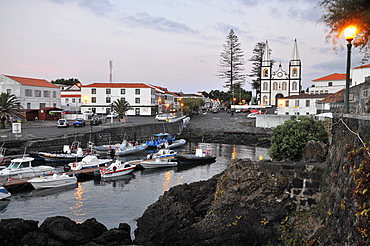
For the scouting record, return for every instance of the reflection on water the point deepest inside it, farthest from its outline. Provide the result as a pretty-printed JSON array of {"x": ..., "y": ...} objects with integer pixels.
[
  {"x": 125, "y": 198},
  {"x": 78, "y": 208}
]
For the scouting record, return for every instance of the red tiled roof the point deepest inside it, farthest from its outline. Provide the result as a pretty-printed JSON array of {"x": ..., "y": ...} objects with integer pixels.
[
  {"x": 335, "y": 97},
  {"x": 117, "y": 85},
  {"x": 334, "y": 76},
  {"x": 31, "y": 81},
  {"x": 364, "y": 66}
]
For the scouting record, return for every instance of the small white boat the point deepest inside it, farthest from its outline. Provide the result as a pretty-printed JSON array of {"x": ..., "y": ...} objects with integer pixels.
[
  {"x": 22, "y": 168},
  {"x": 159, "y": 163},
  {"x": 161, "y": 154},
  {"x": 4, "y": 193},
  {"x": 52, "y": 181},
  {"x": 174, "y": 143},
  {"x": 117, "y": 168},
  {"x": 67, "y": 155},
  {"x": 129, "y": 149},
  {"x": 89, "y": 161}
]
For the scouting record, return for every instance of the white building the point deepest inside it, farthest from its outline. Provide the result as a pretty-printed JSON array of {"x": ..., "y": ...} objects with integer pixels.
[
  {"x": 328, "y": 84},
  {"x": 145, "y": 99},
  {"x": 71, "y": 98},
  {"x": 301, "y": 104},
  {"x": 279, "y": 83},
  {"x": 31, "y": 93}
]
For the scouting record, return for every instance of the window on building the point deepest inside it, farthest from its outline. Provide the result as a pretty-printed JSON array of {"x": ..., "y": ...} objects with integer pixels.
[
  {"x": 275, "y": 86},
  {"x": 54, "y": 105},
  {"x": 67, "y": 100},
  {"x": 330, "y": 84},
  {"x": 46, "y": 93},
  {"x": 107, "y": 99},
  {"x": 42, "y": 105},
  {"x": 37, "y": 93},
  {"x": 284, "y": 86},
  {"x": 326, "y": 92},
  {"x": 321, "y": 92},
  {"x": 93, "y": 90},
  {"x": 137, "y": 111},
  {"x": 307, "y": 103},
  {"x": 265, "y": 100},
  {"x": 28, "y": 93},
  {"x": 287, "y": 103},
  {"x": 93, "y": 99},
  {"x": 9, "y": 91},
  {"x": 294, "y": 86},
  {"x": 265, "y": 86},
  {"x": 137, "y": 100},
  {"x": 265, "y": 72},
  {"x": 73, "y": 100},
  {"x": 28, "y": 105},
  {"x": 137, "y": 91},
  {"x": 123, "y": 91},
  {"x": 108, "y": 91},
  {"x": 294, "y": 72},
  {"x": 54, "y": 94},
  {"x": 296, "y": 104},
  {"x": 365, "y": 93}
]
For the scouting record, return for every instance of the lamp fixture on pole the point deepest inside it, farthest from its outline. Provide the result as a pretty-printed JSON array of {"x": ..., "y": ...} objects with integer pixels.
[{"x": 349, "y": 35}]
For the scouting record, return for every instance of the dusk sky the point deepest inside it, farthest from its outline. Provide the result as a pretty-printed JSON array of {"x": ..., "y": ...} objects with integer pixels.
[{"x": 170, "y": 43}]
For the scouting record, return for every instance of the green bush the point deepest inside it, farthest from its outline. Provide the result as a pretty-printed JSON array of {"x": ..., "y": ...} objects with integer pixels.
[{"x": 289, "y": 139}]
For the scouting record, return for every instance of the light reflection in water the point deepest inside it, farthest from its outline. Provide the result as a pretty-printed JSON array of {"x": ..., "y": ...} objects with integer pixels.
[
  {"x": 233, "y": 152},
  {"x": 167, "y": 180},
  {"x": 78, "y": 208}
]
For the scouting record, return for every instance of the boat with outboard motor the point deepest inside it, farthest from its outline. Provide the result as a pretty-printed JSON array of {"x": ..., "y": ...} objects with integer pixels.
[
  {"x": 22, "y": 168},
  {"x": 200, "y": 157},
  {"x": 159, "y": 140},
  {"x": 4, "y": 193},
  {"x": 89, "y": 161},
  {"x": 52, "y": 181},
  {"x": 160, "y": 159},
  {"x": 117, "y": 168}
]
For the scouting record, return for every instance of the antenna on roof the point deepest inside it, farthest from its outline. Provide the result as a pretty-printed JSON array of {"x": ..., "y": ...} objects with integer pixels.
[{"x": 111, "y": 68}]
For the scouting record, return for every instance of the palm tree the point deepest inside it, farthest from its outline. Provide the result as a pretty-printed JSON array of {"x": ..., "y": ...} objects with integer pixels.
[
  {"x": 9, "y": 107},
  {"x": 121, "y": 106}
]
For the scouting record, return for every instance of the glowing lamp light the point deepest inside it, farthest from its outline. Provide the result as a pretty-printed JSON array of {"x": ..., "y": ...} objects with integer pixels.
[{"x": 350, "y": 32}]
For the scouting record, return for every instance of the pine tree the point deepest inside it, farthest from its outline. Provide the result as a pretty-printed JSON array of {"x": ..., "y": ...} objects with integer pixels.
[{"x": 231, "y": 63}]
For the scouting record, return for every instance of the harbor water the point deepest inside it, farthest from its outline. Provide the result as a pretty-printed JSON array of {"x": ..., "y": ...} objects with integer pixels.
[{"x": 124, "y": 199}]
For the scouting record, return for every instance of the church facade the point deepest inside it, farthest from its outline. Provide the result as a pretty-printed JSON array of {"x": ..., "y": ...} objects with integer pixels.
[{"x": 278, "y": 83}]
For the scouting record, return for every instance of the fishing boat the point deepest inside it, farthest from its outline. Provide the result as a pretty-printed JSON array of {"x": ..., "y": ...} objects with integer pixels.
[
  {"x": 159, "y": 140},
  {"x": 161, "y": 154},
  {"x": 89, "y": 161},
  {"x": 4, "y": 193},
  {"x": 200, "y": 157},
  {"x": 117, "y": 168},
  {"x": 52, "y": 181},
  {"x": 22, "y": 168},
  {"x": 159, "y": 163}
]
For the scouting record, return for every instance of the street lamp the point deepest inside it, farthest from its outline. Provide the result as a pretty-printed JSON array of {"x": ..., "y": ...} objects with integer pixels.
[
  {"x": 78, "y": 85},
  {"x": 349, "y": 35}
]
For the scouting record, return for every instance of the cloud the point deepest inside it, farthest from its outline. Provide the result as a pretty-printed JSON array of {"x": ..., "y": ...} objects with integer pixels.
[
  {"x": 143, "y": 19},
  {"x": 98, "y": 7}
]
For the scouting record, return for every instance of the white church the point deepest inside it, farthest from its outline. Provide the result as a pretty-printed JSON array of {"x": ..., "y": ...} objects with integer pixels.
[{"x": 279, "y": 83}]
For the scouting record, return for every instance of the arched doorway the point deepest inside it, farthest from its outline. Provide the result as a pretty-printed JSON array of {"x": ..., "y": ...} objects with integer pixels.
[{"x": 279, "y": 95}]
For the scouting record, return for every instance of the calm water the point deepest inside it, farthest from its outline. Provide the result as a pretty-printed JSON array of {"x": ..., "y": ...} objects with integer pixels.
[{"x": 123, "y": 200}]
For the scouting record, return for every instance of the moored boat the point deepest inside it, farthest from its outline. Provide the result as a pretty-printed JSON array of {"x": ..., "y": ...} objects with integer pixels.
[
  {"x": 52, "y": 181},
  {"x": 89, "y": 161},
  {"x": 162, "y": 153},
  {"x": 4, "y": 193},
  {"x": 174, "y": 143},
  {"x": 129, "y": 149},
  {"x": 159, "y": 163},
  {"x": 22, "y": 168},
  {"x": 200, "y": 157},
  {"x": 117, "y": 168},
  {"x": 160, "y": 140}
]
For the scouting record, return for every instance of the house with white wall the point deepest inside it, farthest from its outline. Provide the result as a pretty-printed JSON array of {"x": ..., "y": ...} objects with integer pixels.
[
  {"x": 304, "y": 104},
  {"x": 328, "y": 84},
  {"x": 71, "y": 98},
  {"x": 32, "y": 93}
]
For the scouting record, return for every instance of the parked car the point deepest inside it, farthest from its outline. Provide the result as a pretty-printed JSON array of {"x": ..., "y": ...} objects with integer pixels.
[
  {"x": 112, "y": 114},
  {"x": 62, "y": 123},
  {"x": 165, "y": 117},
  {"x": 79, "y": 122},
  {"x": 252, "y": 115},
  {"x": 88, "y": 113},
  {"x": 96, "y": 121}
]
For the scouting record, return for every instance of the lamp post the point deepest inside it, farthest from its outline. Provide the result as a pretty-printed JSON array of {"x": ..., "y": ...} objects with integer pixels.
[
  {"x": 77, "y": 86},
  {"x": 349, "y": 35}
]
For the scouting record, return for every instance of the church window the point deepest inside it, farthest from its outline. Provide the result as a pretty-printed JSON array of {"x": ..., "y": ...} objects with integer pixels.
[
  {"x": 275, "y": 86},
  {"x": 265, "y": 101},
  {"x": 294, "y": 72},
  {"x": 265, "y": 86},
  {"x": 330, "y": 84},
  {"x": 265, "y": 72},
  {"x": 284, "y": 85},
  {"x": 294, "y": 85}
]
